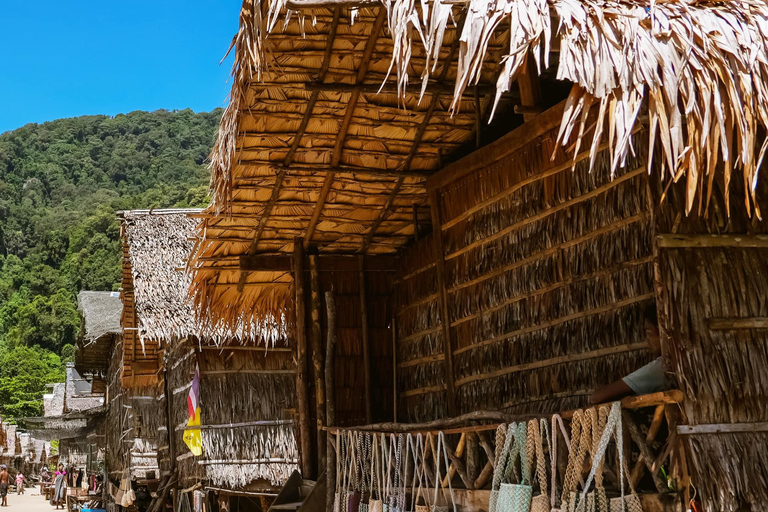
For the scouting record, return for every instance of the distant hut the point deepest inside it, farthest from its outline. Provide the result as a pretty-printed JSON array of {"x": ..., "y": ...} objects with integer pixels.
[
  {"x": 509, "y": 265},
  {"x": 71, "y": 413},
  {"x": 246, "y": 389}
]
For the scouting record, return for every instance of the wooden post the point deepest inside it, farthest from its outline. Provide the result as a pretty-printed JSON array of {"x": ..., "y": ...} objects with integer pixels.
[
  {"x": 330, "y": 472},
  {"x": 473, "y": 457},
  {"x": 330, "y": 347},
  {"x": 366, "y": 339},
  {"x": 530, "y": 90},
  {"x": 317, "y": 361},
  {"x": 394, "y": 366},
  {"x": 302, "y": 388},
  {"x": 445, "y": 319}
]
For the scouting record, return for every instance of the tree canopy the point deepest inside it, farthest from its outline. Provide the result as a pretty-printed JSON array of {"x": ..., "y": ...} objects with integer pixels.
[{"x": 61, "y": 183}]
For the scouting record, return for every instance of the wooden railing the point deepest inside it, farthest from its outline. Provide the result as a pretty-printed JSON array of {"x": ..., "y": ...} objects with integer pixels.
[{"x": 650, "y": 428}]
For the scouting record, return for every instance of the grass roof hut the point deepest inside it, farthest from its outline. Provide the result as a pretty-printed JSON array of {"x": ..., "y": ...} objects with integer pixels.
[
  {"x": 622, "y": 168},
  {"x": 246, "y": 390}
]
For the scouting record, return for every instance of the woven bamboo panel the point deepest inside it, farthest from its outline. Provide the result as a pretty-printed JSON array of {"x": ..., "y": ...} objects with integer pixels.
[{"x": 548, "y": 270}]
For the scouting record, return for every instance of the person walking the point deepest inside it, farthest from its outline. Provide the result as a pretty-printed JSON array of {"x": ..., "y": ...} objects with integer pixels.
[
  {"x": 59, "y": 488},
  {"x": 20, "y": 480},
  {"x": 5, "y": 481}
]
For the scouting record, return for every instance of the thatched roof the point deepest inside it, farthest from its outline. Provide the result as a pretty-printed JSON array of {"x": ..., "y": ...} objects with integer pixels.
[
  {"x": 308, "y": 148},
  {"x": 101, "y": 321},
  {"x": 159, "y": 244}
]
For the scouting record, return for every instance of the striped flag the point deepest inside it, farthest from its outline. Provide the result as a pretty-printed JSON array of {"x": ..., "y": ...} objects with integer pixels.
[{"x": 192, "y": 436}]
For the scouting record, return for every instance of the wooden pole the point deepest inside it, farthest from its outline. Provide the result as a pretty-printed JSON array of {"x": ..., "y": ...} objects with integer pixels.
[
  {"x": 366, "y": 339},
  {"x": 302, "y": 388},
  {"x": 317, "y": 360},
  {"x": 445, "y": 319},
  {"x": 330, "y": 347},
  {"x": 394, "y": 367}
]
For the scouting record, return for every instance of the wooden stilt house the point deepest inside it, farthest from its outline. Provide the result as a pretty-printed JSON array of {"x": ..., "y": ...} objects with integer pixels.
[
  {"x": 500, "y": 271},
  {"x": 246, "y": 387}
]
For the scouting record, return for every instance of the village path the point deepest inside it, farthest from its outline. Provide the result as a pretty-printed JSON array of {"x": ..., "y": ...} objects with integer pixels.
[{"x": 30, "y": 501}]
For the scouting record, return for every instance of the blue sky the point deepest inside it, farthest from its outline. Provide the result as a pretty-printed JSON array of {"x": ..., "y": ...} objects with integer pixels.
[{"x": 71, "y": 58}]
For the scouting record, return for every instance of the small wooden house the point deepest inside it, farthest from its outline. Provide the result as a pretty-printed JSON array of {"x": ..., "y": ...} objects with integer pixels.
[
  {"x": 246, "y": 390},
  {"x": 501, "y": 270}
]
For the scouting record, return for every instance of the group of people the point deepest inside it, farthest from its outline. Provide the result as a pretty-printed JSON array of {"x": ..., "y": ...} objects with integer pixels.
[{"x": 5, "y": 483}]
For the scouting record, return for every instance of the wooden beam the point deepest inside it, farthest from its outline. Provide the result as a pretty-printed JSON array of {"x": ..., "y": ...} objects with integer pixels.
[
  {"x": 330, "y": 348},
  {"x": 530, "y": 89},
  {"x": 365, "y": 339},
  {"x": 302, "y": 386},
  {"x": 280, "y": 177},
  {"x": 722, "y": 428},
  {"x": 445, "y": 319},
  {"x": 338, "y": 147},
  {"x": 317, "y": 360},
  {"x": 724, "y": 324},
  {"x": 645, "y": 452},
  {"x": 670, "y": 241},
  {"x": 546, "y": 363},
  {"x": 282, "y": 263},
  {"x": 339, "y": 169},
  {"x": 434, "y": 101},
  {"x": 500, "y": 149},
  {"x": 435, "y": 89}
]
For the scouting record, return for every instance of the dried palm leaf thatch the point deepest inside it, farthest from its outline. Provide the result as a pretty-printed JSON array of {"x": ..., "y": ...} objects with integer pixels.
[
  {"x": 721, "y": 370},
  {"x": 730, "y": 470},
  {"x": 159, "y": 245},
  {"x": 267, "y": 452},
  {"x": 701, "y": 64}
]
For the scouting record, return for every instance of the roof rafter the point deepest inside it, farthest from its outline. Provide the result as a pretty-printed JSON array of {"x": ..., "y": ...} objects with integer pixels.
[
  {"x": 338, "y": 148},
  {"x": 434, "y": 100}
]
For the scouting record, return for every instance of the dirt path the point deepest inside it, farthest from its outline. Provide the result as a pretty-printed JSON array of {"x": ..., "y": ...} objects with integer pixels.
[{"x": 30, "y": 501}]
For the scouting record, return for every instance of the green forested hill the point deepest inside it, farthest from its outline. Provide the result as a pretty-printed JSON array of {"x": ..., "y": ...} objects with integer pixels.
[{"x": 61, "y": 183}]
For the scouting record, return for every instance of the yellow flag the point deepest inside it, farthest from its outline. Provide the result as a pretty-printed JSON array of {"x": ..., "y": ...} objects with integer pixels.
[{"x": 192, "y": 436}]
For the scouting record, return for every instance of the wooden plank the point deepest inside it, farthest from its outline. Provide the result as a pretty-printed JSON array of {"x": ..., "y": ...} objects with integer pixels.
[
  {"x": 445, "y": 319},
  {"x": 722, "y": 428},
  {"x": 547, "y": 212},
  {"x": 723, "y": 324},
  {"x": 335, "y": 263},
  {"x": 302, "y": 385},
  {"x": 671, "y": 241},
  {"x": 500, "y": 149},
  {"x": 530, "y": 89},
  {"x": 391, "y": 88},
  {"x": 366, "y": 341},
  {"x": 423, "y": 391},
  {"x": 545, "y": 363},
  {"x": 552, "y": 250},
  {"x": 317, "y": 361},
  {"x": 558, "y": 321},
  {"x": 422, "y": 360}
]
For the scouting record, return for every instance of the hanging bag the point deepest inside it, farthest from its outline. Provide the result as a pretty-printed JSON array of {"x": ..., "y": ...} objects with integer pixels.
[
  {"x": 353, "y": 499},
  {"x": 537, "y": 431},
  {"x": 516, "y": 497},
  {"x": 438, "y": 481},
  {"x": 557, "y": 424},
  {"x": 503, "y": 445},
  {"x": 364, "y": 449},
  {"x": 339, "y": 477},
  {"x": 613, "y": 428},
  {"x": 581, "y": 443},
  {"x": 375, "y": 504}
]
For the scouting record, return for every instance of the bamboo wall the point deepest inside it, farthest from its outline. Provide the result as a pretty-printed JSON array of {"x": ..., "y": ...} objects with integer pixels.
[
  {"x": 546, "y": 273},
  {"x": 238, "y": 386},
  {"x": 716, "y": 317},
  {"x": 349, "y": 362},
  {"x": 141, "y": 363}
]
